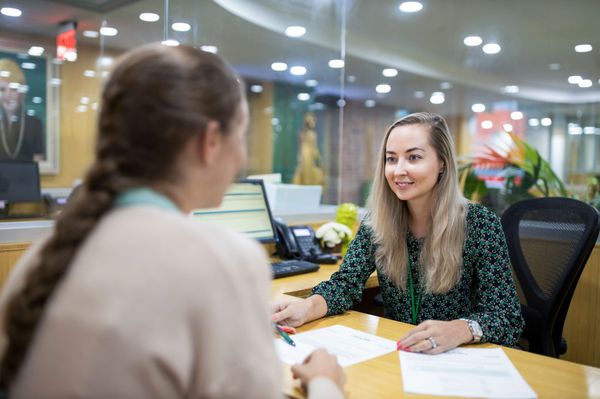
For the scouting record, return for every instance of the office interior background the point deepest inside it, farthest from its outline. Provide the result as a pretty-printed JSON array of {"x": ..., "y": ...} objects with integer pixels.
[{"x": 530, "y": 67}]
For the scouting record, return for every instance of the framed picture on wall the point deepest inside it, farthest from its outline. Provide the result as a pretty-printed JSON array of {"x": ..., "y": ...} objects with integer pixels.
[{"x": 28, "y": 109}]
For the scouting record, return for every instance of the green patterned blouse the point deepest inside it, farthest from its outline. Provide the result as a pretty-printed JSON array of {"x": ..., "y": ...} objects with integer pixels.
[{"x": 485, "y": 292}]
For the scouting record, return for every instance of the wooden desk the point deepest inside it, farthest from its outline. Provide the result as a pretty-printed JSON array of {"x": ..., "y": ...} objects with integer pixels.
[{"x": 380, "y": 377}]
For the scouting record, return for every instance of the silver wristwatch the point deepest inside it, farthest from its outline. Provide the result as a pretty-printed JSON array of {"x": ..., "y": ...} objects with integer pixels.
[{"x": 475, "y": 329}]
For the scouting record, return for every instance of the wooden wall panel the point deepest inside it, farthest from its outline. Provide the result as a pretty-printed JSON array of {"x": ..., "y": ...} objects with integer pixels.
[{"x": 9, "y": 255}]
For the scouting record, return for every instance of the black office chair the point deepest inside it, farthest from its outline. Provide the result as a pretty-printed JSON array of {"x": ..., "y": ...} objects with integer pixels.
[{"x": 549, "y": 242}]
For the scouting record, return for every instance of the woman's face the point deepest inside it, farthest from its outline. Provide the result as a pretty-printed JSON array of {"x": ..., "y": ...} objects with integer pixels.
[{"x": 412, "y": 165}]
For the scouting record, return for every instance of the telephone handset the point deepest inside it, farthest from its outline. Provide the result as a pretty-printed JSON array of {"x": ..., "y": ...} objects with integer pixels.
[{"x": 299, "y": 242}]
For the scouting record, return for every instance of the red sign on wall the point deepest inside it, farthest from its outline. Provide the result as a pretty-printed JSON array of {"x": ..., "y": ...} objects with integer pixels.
[{"x": 66, "y": 46}]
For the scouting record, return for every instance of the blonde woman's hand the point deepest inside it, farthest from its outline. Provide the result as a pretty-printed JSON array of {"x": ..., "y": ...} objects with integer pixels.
[
  {"x": 320, "y": 364},
  {"x": 297, "y": 313},
  {"x": 433, "y": 336}
]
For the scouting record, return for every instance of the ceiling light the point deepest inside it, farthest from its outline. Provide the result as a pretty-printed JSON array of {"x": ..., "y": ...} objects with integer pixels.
[
  {"x": 546, "y": 121},
  {"x": 383, "y": 88},
  {"x": 478, "y": 107},
  {"x": 341, "y": 103},
  {"x": 303, "y": 96},
  {"x": 437, "y": 97},
  {"x": 108, "y": 31},
  {"x": 37, "y": 100},
  {"x": 554, "y": 67},
  {"x": 589, "y": 130},
  {"x": 370, "y": 103},
  {"x": 410, "y": 6},
  {"x": 585, "y": 83},
  {"x": 516, "y": 115},
  {"x": 170, "y": 43},
  {"x": 209, "y": 49},
  {"x": 491, "y": 48},
  {"x": 55, "y": 82},
  {"x": 336, "y": 63},
  {"x": 575, "y": 129},
  {"x": 311, "y": 83},
  {"x": 295, "y": 31},
  {"x": 389, "y": 72},
  {"x": 298, "y": 70},
  {"x": 511, "y": 89},
  {"x": 256, "y": 89},
  {"x": 81, "y": 108},
  {"x": 28, "y": 65},
  {"x": 445, "y": 85},
  {"x": 90, "y": 33},
  {"x": 84, "y": 100},
  {"x": 88, "y": 73},
  {"x": 419, "y": 94},
  {"x": 472, "y": 41},
  {"x": 35, "y": 51},
  {"x": 11, "y": 12},
  {"x": 351, "y": 78},
  {"x": 507, "y": 127},
  {"x": 487, "y": 124},
  {"x": 574, "y": 79},
  {"x": 583, "y": 48},
  {"x": 533, "y": 122},
  {"x": 181, "y": 26},
  {"x": 149, "y": 17},
  {"x": 279, "y": 66},
  {"x": 105, "y": 61}
]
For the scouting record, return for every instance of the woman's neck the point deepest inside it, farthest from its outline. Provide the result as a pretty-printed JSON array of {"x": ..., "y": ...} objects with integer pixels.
[{"x": 419, "y": 219}]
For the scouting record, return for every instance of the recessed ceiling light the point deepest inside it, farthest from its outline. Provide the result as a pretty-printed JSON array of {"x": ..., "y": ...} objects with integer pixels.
[
  {"x": 419, "y": 94},
  {"x": 341, "y": 103},
  {"x": 507, "y": 127},
  {"x": 37, "y": 100},
  {"x": 90, "y": 33},
  {"x": 511, "y": 89},
  {"x": 149, "y": 17},
  {"x": 55, "y": 81},
  {"x": 108, "y": 31},
  {"x": 84, "y": 100},
  {"x": 410, "y": 6},
  {"x": 554, "y": 67},
  {"x": 181, "y": 26},
  {"x": 351, "y": 78},
  {"x": 585, "y": 83},
  {"x": 303, "y": 96},
  {"x": 105, "y": 61},
  {"x": 546, "y": 121},
  {"x": 256, "y": 89},
  {"x": 11, "y": 11},
  {"x": 336, "y": 63},
  {"x": 298, "y": 70},
  {"x": 533, "y": 122},
  {"x": 88, "y": 73},
  {"x": 516, "y": 115},
  {"x": 583, "y": 48},
  {"x": 575, "y": 129},
  {"x": 487, "y": 124},
  {"x": 472, "y": 41},
  {"x": 445, "y": 85},
  {"x": 589, "y": 130},
  {"x": 574, "y": 79},
  {"x": 295, "y": 31},
  {"x": 170, "y": 43},
  {"x": 383, "y": 88},
  {"x": 478, "y": 107},
  {"x": 35, "y": 51},
  {"x": 209, "y": 49},
  {"x": 437, "y": 97},
  {"x": 491, "y": 48},
  {"x": 311, "y": 83},
  {"x": 279, "y": 66},
  {"x": 370, "y": 103},
  {"x": 389, "y": 72},
  {"x": 27, "y": 65}
]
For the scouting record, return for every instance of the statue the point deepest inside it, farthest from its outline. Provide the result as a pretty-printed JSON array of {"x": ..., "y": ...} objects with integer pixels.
[{"x": 308, "y": 169}]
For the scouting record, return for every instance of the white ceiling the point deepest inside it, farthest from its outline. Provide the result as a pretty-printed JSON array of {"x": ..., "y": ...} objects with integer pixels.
[{"x": 427, "y": 46}]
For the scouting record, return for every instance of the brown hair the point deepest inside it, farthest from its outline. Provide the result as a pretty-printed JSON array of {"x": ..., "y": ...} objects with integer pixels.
[
  {"x": 441, "y": 256},
  {"x": 156, "y": 100}
]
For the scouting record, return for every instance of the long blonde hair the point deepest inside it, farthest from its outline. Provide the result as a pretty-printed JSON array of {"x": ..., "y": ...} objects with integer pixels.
[{"x": 441, "y": 254}]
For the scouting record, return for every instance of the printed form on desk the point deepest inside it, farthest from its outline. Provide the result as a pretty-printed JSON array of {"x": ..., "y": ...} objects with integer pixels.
[
  {"x": 468, "y": 372},
  {"x": 349, "y": 345}
]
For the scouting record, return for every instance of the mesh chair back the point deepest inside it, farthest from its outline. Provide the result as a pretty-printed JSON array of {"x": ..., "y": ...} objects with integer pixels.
[{"x": 549, "y": 242}]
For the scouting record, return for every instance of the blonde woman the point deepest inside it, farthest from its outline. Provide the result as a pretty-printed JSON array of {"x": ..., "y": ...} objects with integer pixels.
[{"x": 442, "y": 263}]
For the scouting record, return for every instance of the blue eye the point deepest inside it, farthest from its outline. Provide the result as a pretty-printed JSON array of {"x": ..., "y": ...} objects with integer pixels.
[{"x": 414, "y": 157}]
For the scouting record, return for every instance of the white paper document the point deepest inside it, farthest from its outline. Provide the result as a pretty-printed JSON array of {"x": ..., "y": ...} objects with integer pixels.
[
  {"x": 470, "y": 372},
  {"x": 349, "y": 345}
]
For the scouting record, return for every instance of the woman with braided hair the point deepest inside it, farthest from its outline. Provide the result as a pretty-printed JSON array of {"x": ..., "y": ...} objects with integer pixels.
[{"x": 129, "y": 298}]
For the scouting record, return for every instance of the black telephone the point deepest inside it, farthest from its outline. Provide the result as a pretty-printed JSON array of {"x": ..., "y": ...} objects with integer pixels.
[{"x": 299, "y": 242}]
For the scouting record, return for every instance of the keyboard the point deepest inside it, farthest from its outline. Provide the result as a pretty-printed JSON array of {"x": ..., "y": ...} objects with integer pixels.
[{"x": 291, "y": 267}]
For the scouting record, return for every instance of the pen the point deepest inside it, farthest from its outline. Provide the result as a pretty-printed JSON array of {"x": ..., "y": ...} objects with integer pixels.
[{"x": 284, "y": 335}]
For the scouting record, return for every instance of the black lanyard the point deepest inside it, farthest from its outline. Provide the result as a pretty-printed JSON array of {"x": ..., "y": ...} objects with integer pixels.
[{"x": 414, "y": 306}]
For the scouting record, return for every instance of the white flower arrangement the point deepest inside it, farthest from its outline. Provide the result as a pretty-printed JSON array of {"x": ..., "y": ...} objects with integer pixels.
[{"x": 333, "y": 233}]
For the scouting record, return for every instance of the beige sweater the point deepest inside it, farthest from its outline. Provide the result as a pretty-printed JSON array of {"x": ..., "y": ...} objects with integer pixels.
[{"x": 156, "y": 306}]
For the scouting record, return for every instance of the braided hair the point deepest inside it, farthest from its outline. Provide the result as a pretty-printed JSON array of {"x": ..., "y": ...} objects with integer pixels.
[{"x": 156, "y": 100}]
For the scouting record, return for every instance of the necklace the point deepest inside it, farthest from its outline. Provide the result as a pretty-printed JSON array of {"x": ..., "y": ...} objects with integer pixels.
[{"x": 15, "y": 153}]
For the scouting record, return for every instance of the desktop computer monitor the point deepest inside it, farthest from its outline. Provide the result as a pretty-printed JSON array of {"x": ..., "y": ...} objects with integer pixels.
[
  {"x": 19, "y": 181},
  {"x": 245, "y": 209}
]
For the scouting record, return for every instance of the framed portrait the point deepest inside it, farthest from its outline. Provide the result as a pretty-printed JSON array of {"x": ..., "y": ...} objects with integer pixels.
[{"x": 28, "y": 109}]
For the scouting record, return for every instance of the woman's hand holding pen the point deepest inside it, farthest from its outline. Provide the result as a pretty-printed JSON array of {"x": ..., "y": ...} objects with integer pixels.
[
  {"x": 433, "y": 336},
  {"x": 320, "y": 364}
]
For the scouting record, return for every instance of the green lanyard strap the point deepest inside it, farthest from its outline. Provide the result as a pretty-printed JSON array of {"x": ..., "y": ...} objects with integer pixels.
[{"x": 414, "y": 306}]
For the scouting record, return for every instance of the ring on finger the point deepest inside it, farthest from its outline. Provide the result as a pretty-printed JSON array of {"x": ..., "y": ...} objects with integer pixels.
[{"x": 433, "y": 342}]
